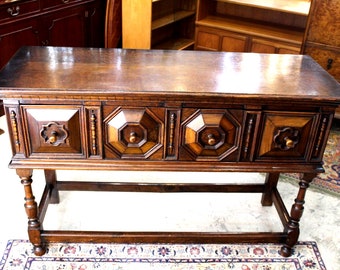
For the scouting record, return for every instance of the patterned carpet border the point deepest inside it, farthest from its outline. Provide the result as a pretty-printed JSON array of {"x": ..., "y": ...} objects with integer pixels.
[
  {"x": 328, "y": 182},
  {"x": 83, "y": 256}
]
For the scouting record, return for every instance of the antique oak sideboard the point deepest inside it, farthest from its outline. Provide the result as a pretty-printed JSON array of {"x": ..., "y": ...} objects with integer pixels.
[{"x": 115, "y": 109}]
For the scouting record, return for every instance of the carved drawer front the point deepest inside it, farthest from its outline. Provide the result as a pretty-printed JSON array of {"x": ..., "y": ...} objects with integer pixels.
[
  {"x": 54, "y": 131},
  {"x": 134, "y": 133},
  {"x": 211, "y": 135},
  {"x": 287, "y": 136}
]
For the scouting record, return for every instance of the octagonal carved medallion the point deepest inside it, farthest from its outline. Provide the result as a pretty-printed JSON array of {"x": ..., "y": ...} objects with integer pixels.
[
  {"x": 133, "y": 133},
  {"x": 211, "y": 135}
]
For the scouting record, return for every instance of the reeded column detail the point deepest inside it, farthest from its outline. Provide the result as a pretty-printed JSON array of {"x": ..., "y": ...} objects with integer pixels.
[
  {"x": 321, "y": 135},
  {"x": 93, "y": 121},
  {"x": 171, "y": 133},
  {"x": 14, "y": 125},
  {"x": 248, "y": 134}
]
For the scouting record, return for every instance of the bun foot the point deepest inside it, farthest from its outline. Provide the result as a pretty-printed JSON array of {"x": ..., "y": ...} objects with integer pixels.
[
  {"x": 285, "y": 251},
  {"x": 39, "y": 250}
]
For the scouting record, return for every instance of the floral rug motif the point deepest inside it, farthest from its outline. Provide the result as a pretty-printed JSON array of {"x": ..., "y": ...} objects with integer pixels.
[
  {"x": 330, "y": 180},
  {"x": 85, "y": 256}
]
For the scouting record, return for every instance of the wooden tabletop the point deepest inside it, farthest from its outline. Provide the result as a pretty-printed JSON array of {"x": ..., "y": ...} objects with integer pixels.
[{"x": 52, "y": 72}]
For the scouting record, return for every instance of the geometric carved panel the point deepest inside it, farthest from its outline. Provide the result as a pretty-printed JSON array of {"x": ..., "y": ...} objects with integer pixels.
[
  {"x": 286, "y": 135},
  {"x": 54, "y": 130},
  {"x": 133, "y": 133},
  {"x": 211, "y": 135}
]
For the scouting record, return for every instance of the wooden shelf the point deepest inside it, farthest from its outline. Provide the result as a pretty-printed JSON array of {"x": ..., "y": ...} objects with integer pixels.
[
  {"x": 300, "y": 7},
  {"x": 175, "y": 44},
  {"x": 171, "y": 18},
  {"x": 253, "y": 29}
]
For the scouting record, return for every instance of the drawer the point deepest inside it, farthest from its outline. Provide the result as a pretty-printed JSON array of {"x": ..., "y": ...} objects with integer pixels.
[
  {"x": 134, "y": 133},
  {"x": 47, "y": 4},
  {"x": 211, "y": 134},
  {"x": 287, "y": 136},
  {"x": 18, "y": 9},
  {"x": 53, "y": 132}
]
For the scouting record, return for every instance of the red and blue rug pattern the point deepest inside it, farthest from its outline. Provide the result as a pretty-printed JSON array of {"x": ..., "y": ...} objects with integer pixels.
[{"x": 85, "y": 256}]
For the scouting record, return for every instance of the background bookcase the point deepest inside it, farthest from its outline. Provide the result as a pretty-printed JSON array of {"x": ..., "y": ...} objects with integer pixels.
[
  {"x": 264, "y": 26},
  {"x": 158, "y": 24}
]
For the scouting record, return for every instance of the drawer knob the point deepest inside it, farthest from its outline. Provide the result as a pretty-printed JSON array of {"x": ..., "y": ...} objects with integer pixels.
[
  {"x": 13, "y": 11},
  {"x": 289, "y": 143},
  {"x": 211, "y": 139},
  {"x": 133, "y": 137},
  {"x": 286, "y": 138},
  {"x": 54, "y": 134},
  {"x": 53, "y": 138}
]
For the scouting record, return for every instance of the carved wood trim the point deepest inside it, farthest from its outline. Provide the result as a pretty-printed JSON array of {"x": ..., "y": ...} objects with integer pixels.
[
  {"x": 14, "y": 125},
  {"x": 172, "y": 134},
  {"x": 249, "y": 131},
  {"x": 93, "y": 121},
  {"x": 172, "y": 125},
  {"x": 320, "y": 137}
]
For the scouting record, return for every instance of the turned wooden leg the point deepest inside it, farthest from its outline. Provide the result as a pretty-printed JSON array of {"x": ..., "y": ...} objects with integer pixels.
[
  {"x": 31, "y": 208},
  {"x": 296, "y": 214},
  {"x": 270, "y": 185},
  {"x": 51, "y": 182}
]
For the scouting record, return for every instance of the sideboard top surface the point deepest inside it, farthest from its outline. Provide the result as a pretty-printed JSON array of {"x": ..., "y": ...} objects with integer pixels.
[{"x": 86, "y": 73}]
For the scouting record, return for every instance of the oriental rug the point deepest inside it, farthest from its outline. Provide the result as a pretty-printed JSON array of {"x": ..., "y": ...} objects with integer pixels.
[
  {"x": 84, "y": 256},
  {"x": 329, "y": 181}
]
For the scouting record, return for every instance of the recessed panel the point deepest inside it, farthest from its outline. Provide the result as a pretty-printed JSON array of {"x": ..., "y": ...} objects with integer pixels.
[
  {"x": 286, "y": 136},
  {"x": 211, "y": 134},
  {"x": 133, "y": 133},
  {"x": 54, "y": 130}
]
